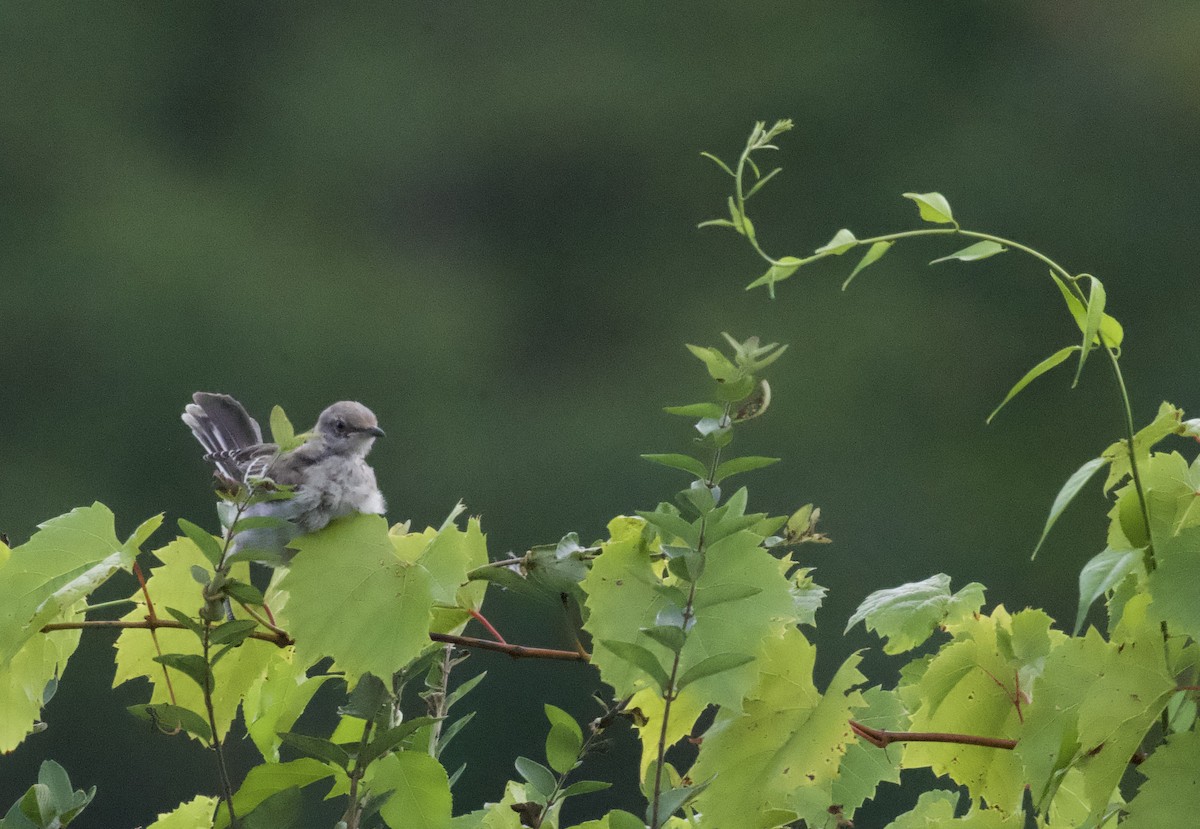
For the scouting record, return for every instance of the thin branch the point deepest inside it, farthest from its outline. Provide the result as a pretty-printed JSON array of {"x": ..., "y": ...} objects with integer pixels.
[
  {"x": 882, "y": 739},
  {"x": 515, "y": 651},
  {"x": 281, "y": 639}
]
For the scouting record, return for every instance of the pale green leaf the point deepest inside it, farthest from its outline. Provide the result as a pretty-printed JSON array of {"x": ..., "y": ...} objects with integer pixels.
[
  {"x": 351, "y": 597},
  {"x": 1092, "y": 317},
  {"x": 933, "y": 207},
  {"x": 907, "y": 615},
  {"x": 1066, "y": 495},
  {"x": 420, "y": 789},
  {"x": 1037, "y": 371},
  {"x": 711, "y": 665},
  {"x": 197, "y": 813},
  {"x": 841, "y": 242},
  {"x": 1170, "y": 794},
  {"x": 781, "y": 269},
  {"x": 973, "y": 253},
  {"x": 873, "y": 255},
  {"x": 736, "y": 466},
  {"x": 276, "y": 700},
  {"x": 1104, "y": 572},
  {"x": 264, "y": 781}
]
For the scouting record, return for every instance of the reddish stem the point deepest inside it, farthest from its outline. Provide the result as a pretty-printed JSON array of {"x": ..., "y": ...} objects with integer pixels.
[{"x": 479, "y": 617}]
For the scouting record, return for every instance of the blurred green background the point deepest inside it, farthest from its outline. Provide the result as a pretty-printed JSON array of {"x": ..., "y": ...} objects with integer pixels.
[{"x": 479, "y": 219}]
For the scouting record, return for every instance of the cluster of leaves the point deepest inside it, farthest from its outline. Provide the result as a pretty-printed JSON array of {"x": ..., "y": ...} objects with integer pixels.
[{"x": 695, "y": 611}]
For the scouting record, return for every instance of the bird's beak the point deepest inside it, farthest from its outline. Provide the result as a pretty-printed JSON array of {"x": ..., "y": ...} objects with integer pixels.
[{"x": 375, "y": 431}]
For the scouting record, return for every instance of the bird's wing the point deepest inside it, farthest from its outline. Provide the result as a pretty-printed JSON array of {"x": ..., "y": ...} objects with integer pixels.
[{"x": 232, "y": 440}]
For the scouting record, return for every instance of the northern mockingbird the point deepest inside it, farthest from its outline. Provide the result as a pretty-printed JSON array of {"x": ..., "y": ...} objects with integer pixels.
[{"x": 329, "y": 472}]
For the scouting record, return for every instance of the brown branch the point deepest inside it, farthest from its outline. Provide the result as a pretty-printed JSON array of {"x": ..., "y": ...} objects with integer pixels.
[
  {"x": 282, "y": 639},
  {"x": 515, "y": 651},
  {"x": 882, "y": 739}
]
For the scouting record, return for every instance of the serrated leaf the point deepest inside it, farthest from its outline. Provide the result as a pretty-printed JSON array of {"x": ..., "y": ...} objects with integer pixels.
[
  {"x": 907, "y": 615},
  {"x": 640, "y": 658},
  {"x": 396, "y": 598},
  {"x": 873, "y": 255},
  {"x": 1037, "y": 371},
  {"x": 1104, "y": 572},
  {"x": 736, "y": 466},
  {"x": 716, "y": 664},
  {"x": 276, "y": 700},
  {"x": 685, "y": 462},
  {"x": 1066, "y": 495},
  {"x": 204, "y": 540},
  {"x": 1170, "y": 794},
  {"x": 973, "y": 253},
  {"x": 420, "y": 797},
  {"x": 195, "y": 814},
  {"x": 933, "y": 207}
]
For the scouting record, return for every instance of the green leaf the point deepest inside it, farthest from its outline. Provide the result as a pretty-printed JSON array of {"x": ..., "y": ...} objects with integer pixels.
[
  {"x": 873, "y": 255},
  {"x": 721, "y": 593},
  {"x": 271, "y": 558},
  {"x": 390, "y": 600},
  {"x": 696, "y": 410},
  {"x": 391, "y": 739},
  {"x": 538, "y": 776},
  {"x": 1170, "y": 794},
  {"x": 719, "y": 163},
  {"x": 565, "y": 740},
  {"x": 685, "y": 462},
  {"x": 672, "y": 800},
  {"x": 933, "y": 207},
  {"x": 1113, "y": 333},
  {"x": 420, "y": 797},
  {"x": 204, "y": 540},
  {"x": 670, "y": 525},
  {"x": 244, "y": 592},
  {"x": 282, "y": 431},
  {"x": 586, "y": 787},
  {"x": 317, "y": 748},
  {"x": 1067, "y": 494},
  {"x": 1092, "y": 317},
  {"x": 907, "y": 615},
  {"x": 233, "y": 632},
  {"x": 197, "y": 812},
  {"x": 781, "y": 269},
  {"x": 975, "y": 252},
  {"x": 276, "y": 700},
  {"x": 841, "y": 242},
  {"x": 736, "y": 466},
  {"x": 191, "y": 665},
  {"x": 670, "y": 637},
  {"x": 1104, "y": 572},
  {"x": 719, "y": 367},
  {"x": 264, "y": 781},
  {"x": 716, "y": 664},
  {"x": 1037, "y": 371},
  {"x": 169, "y": 718},
  {"x": 640, "y": 658},
  {"x": 779, "y": 760}
]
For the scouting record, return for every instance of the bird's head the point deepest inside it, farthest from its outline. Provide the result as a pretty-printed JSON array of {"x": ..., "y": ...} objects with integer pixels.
[{"x": 349, "y": 427}]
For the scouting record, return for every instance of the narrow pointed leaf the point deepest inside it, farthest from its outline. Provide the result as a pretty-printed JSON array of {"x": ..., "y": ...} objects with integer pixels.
[
  {"x": 975, "y": 252},
  {"x": 696, "y": 410},
  {"x": 1037, "y": 371},
  {"x": 389, "y": 740},
  {"x": 1104, "y": 572},
  {"x": 202, "y": 539},
  {"x": 1094, "y": 314},
  {"x": 677, "y": 461},
  {"x": 1067, "y": 494},
  {"x": 736, "y": 466},
  {"x": 873, "y": 255},
  {"x": 1112, "y": 331},
  {"x": 758, "y": 185},
  {"x": 316, "y": 748},
  {"x": 719, "y": 663},
  {"x": 640, "y": 658},
  {"x": 233, "y": 632},
  {"x": 586, "y": 787},
  {"x": 719, "y": 163},
  {"x": 192, "y": 665},
  {"x": 669, "y": 636}
]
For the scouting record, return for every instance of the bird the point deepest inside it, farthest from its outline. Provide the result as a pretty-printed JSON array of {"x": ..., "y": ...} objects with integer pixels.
[{"x": 329, "y": 473}]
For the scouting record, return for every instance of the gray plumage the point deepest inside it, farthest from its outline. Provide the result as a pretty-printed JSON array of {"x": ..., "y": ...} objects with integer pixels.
[{"x": 329, "y": 472}]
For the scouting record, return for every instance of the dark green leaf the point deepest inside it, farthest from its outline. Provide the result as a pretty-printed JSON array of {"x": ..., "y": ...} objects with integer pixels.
[
  {"x": 539, "y": 777},
  {"x": 464, "y": 689},
  {"x": 209, "y": 546},
  {"x": 1037, "y": 371},
  {"x": 669, "y": 636},
  {"x": 317, "y": 748},
  {"x": 718, "y": 663},
  {"x": 640, "y": 658},
  {"x": 450, "y": 731},
  {"x": 587, "y": 787},
  {"x": 1067, "y": 494},
  {"x": 271, "y": 558},
  {"x": 187, "y": 621},
  {"x": 171, "y": 718},
  {"x": 685, "y": 462},
  {"x": 873, "y": 255},
  {"x": 368, "y": 696},
  {"x": 672, "y": 800},
  {"x": 189, "y": 664},
  {"x": 233, "y": 632},
  {"x": 242, "y": 592},
  {"x": 671, "y": 526},
  {"x": 201, "y": 575},
  {"x": 389, "y": 740},
  {"x": 736, "y": 466}
]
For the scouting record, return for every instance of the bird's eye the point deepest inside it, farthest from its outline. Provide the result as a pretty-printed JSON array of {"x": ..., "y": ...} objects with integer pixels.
[{"x": 339, "y": 425}]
